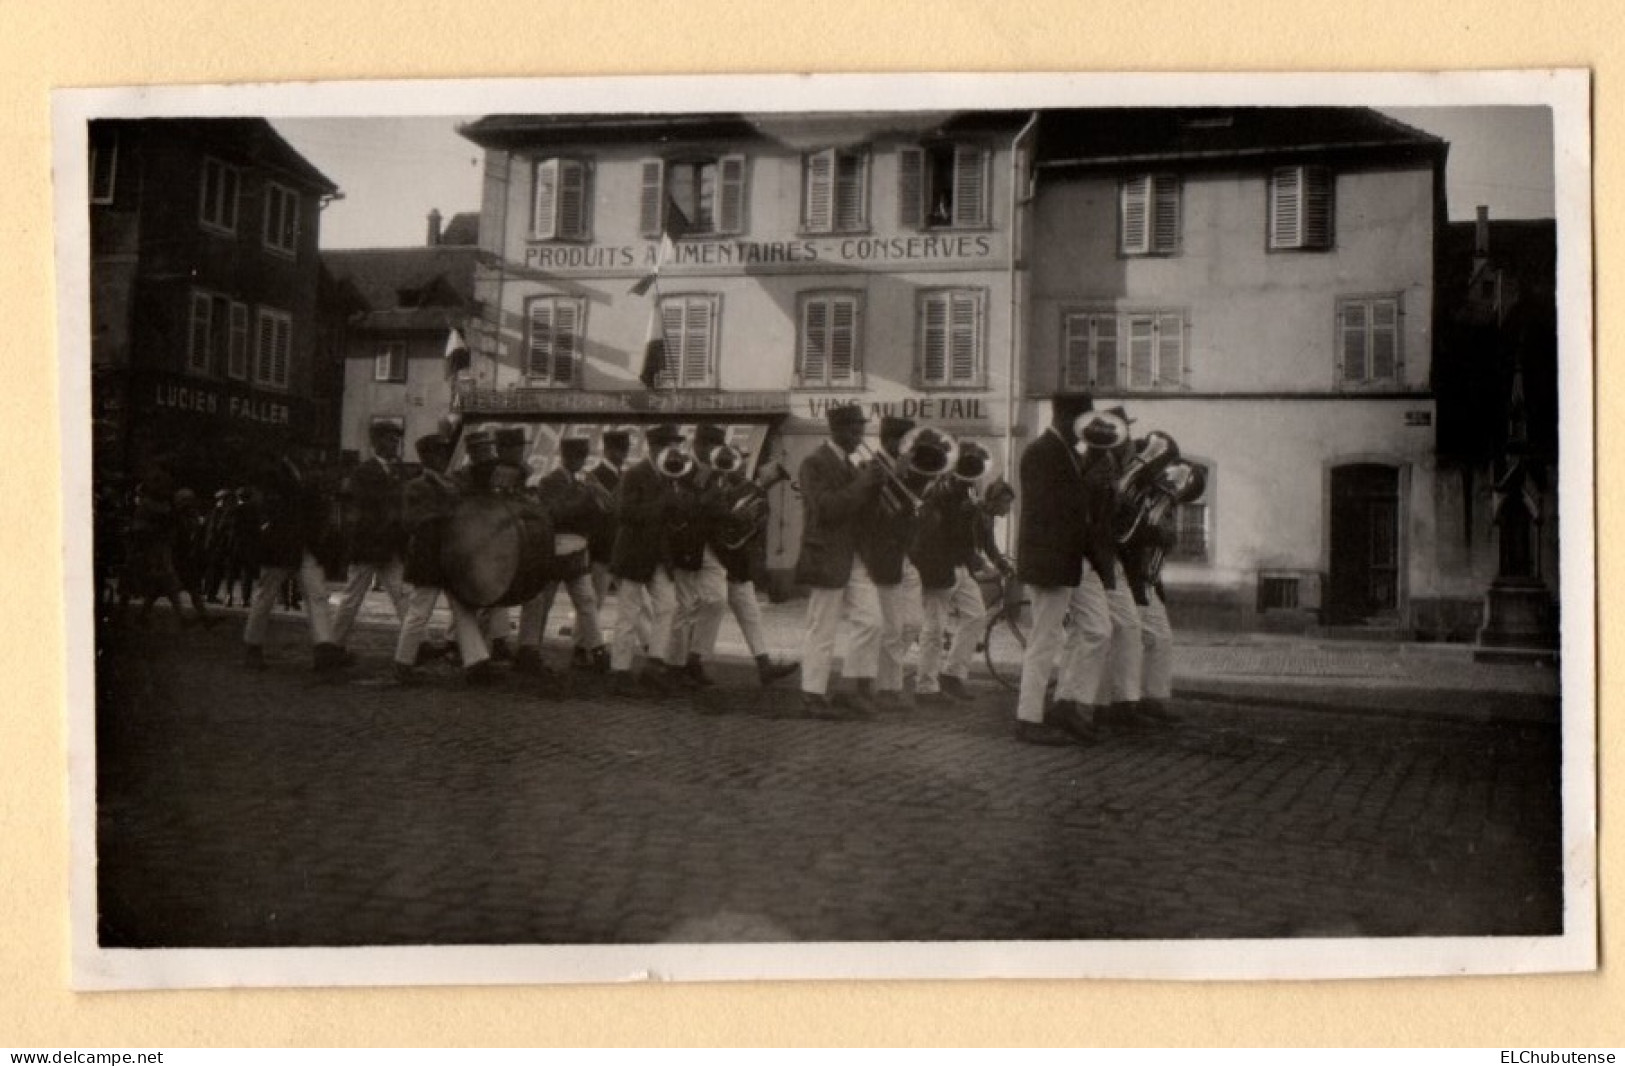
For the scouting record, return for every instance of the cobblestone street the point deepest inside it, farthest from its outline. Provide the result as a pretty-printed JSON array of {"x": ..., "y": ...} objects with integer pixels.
[{"x": 279, "y": 808}]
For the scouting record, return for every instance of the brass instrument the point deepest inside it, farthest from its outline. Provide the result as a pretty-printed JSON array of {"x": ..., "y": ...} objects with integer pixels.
[
  {"x": 725, "y": 460},
  {"x": 1179, "y": 483},
  {"x": 674, "y": 462},
  {"x": 924, "y": 455},
  {"x": 1099, "y": 431},
  {"x": 1137, "y": 484},
  {"x": 747, "y": 505},
  {"x": 973, "y": 463}
]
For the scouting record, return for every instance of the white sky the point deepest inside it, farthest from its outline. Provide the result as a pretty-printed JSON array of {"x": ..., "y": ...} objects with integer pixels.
[{"x": 394, "y": 170}]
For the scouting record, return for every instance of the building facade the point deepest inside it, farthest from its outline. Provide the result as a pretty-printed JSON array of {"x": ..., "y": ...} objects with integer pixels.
[
  {"x": 788, "y": 263},
  {"x": 1260, "y": 285},
  {"x": 204, "y": 279},
  {"x": 393, "y": 311}
]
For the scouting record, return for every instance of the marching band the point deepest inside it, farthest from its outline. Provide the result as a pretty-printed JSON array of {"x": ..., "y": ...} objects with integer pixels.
[{"x": 896, "y": 541}]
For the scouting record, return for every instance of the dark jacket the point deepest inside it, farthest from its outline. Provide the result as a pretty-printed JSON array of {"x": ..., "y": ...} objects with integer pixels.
[
  {"x": 567, "y": 501},
  {"x": 376, "y": 497},
  {"x": 429, "y": 500},
  {"x": 644, "y": 508},
  {"x": 836, "y": 502},
  {"x": 695, "y": 520},
  {"x": 1055, "y": 515},
  {"x": 293, "y": 516},
  {"x": 945, "y": 539},
  {"x": 743, "y": 562},
  {"x": 601, "y": 530}
]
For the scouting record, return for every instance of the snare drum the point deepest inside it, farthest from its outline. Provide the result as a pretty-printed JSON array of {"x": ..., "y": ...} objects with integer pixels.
[{"x": 569, "y": 556}]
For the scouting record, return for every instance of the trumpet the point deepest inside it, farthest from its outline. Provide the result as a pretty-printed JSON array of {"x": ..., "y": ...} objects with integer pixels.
[{"x": 674, "y": 462}]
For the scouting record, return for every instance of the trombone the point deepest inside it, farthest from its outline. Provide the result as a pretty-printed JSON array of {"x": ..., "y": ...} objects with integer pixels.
[{"x": 924, "y": 454}]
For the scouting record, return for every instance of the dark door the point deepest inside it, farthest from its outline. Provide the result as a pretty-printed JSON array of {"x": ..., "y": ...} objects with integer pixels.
[{"x": 1365, "y": 544}]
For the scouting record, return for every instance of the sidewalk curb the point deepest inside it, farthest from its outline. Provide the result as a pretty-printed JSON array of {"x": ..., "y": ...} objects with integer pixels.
[{"x": 1407, "y": 703}]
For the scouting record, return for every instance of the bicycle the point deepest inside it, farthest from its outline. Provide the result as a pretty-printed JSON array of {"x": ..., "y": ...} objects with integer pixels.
[{"x": 1004, "y": 639}]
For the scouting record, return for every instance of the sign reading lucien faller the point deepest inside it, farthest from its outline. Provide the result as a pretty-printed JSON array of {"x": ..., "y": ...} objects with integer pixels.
[{"x": 1048, "y": 527}]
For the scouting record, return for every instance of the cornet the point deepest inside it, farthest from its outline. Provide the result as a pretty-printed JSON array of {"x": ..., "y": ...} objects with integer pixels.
[{"x": 674, "y": 462}]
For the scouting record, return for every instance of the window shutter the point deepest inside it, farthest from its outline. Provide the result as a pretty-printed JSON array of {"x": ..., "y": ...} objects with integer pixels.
[
  {"x": 650, "y": 200},
  {"x": 228, "y": 198},
  {"x": 1141, "y": 351},
  {"x": 731, "y": 218},
  {"x": 566, "y": 333},
  {"x": 1136, "y": 208},
  {"x": 197, "y": 354},
  {"x": 1352, "y": 350},
  {"x": 545, "y": 204},
  {"x": 671, "y": 330},
  {"x": 1165, "y": 225},
  {"x": 283, "y": 334},
  {"x": 970, "y": 186},
  {"x": 237, "y": 352},
  {"x": 843, "y": 342},
  {"x": 574, "y": 205},
  {"x": 539, "y": 358},
  {"x": 815, "y": 342},
  {"x": 1384, "y": 340},
  {"x": 1106, "y": 351},
  {"x": 1170, "y": 350},
  {"x": 697, "y": 343},
  {"x": 851, "y": 188},
  {"x": 934, "y": 340},
  {"x": 911, "y": 188},
  {"x": 966, "y": 326},
  {"x": 1317, "y": 207},
  {"x": 263, "y": 340},
  {"x": 290, "y": 221},
  {"x": 820, "y": 205},
  {"x": 1286, "y": 196},
  {"x": 1075, "y": 373}
]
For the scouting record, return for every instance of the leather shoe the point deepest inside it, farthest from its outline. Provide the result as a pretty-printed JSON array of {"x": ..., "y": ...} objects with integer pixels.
[
  {"x": 769, "y": 672},
  {"x": 861, "y": 704},
  {"x": 1154, "y": 712},
  {"x": 932, "y": 699},
  {"x": 1045, "y": 735},
  {"x": 955, "y": 687},
  {"x": 483, "y": 672},
  {"x": 814, "y": 705},
  {"x": 1067, "y": 716},
  {"x": 529, "y": 661}
]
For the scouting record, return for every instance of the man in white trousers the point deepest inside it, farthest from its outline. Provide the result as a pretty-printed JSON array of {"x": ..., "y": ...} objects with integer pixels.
[{"x": 378, "y": 540}]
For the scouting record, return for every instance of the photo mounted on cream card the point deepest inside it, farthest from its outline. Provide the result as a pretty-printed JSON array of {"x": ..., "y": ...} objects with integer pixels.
[{"x": 719, "y": 528}]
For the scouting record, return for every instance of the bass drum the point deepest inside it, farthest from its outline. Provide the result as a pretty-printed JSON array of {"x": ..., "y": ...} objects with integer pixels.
[{"x": 497, "y": 551}]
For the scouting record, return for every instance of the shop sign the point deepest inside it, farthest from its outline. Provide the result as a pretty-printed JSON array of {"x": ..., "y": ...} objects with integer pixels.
[
  {"x": 211, "y": 401},
  {"x": 922, "y": 407},
  {"x": 915, "y": 250},
  {"x": 472, "y": 401}
]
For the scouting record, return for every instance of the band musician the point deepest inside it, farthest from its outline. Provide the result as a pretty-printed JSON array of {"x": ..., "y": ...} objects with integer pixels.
[
  {"x": 572, "y": 504},
  {"x": 839, "y": 493},
  {"x": 377, "y": 538},
  {"x": 646, "y": 507},
  {"x": 606, "y": 472}
]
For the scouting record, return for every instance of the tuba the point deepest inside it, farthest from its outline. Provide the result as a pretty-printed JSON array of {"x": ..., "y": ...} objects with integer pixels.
[
  {"x": 725, "y": 460},
  {"x": 746, "y": 505},
  {"x": 1135, "y": 495},
  {"x": 1179, "y": 483},
  {"x": 674, "y": 462}
]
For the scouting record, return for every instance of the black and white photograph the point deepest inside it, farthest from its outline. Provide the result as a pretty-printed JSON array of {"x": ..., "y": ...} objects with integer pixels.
[{"x": 732, "y": 528}]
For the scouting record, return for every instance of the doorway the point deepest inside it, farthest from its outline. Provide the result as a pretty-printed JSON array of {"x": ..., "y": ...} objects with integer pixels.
[{"x": 1365, "y": 550}]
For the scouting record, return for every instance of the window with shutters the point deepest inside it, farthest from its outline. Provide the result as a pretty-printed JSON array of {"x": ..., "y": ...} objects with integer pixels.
[
  {"x": 835, "y": 191},
  {"x": 273, "y": 345},
  {"x": 1149, "y": 208},
  {"x": 950, "y": 339},
  {"x": 943, "y": 186},
  {"x": 553, "y": 348},
  {"x": 237, "y": 343},
  {"x": 561, "y": 208},
  {"x": 689, "y": 330},
  {"x": 1123, "y": 350},
  {"x": 1368, "y": 341},
  {"x": 103, "y": 167},
  {"x": 693, "y": 196},
  {"x": 1092, "y": 350},
  {"x": 201, "y": 334},
  {"x": 217, "y": 199},
  {"x": 390, "y": 362},
  {"x": 1301, "y": 209},
  {"x": 281, "y": 218},
  {"x": 828, "y": 342}
]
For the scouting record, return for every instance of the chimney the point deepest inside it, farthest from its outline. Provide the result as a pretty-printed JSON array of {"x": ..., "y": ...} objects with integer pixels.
[
  {"x": 1481, "y": 238},
  {"x": 434, "y": 226}
]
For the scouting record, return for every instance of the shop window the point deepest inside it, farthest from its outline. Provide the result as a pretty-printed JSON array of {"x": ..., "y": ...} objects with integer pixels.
[
  {"x": 217, "y": 199},
  {"x": 1368, "y": 340},
  {"x": 390, "y": 362},
  {"x": 1149, "y": 209},
  {"x": 103, "y": 167},
  {"x": 281, "y": 218},
  {"x": 835, "y": 191},
  {"x": 560, "y": 209},
  {"x": 689, "y": 325},
  {"x": 554, "y": 345},
  {"x": 273, "y": 346},
  {"x": 1300, "y": 209},
  {"x": 943, "y": 185},
  {"x": 693, "y": 196},
  {"x": 827, "y": 347},
  {"x": 951, "y": 331}
]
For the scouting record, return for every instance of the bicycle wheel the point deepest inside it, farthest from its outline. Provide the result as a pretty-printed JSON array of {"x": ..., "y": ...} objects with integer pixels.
[{"x": 1004, "y": 644}]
